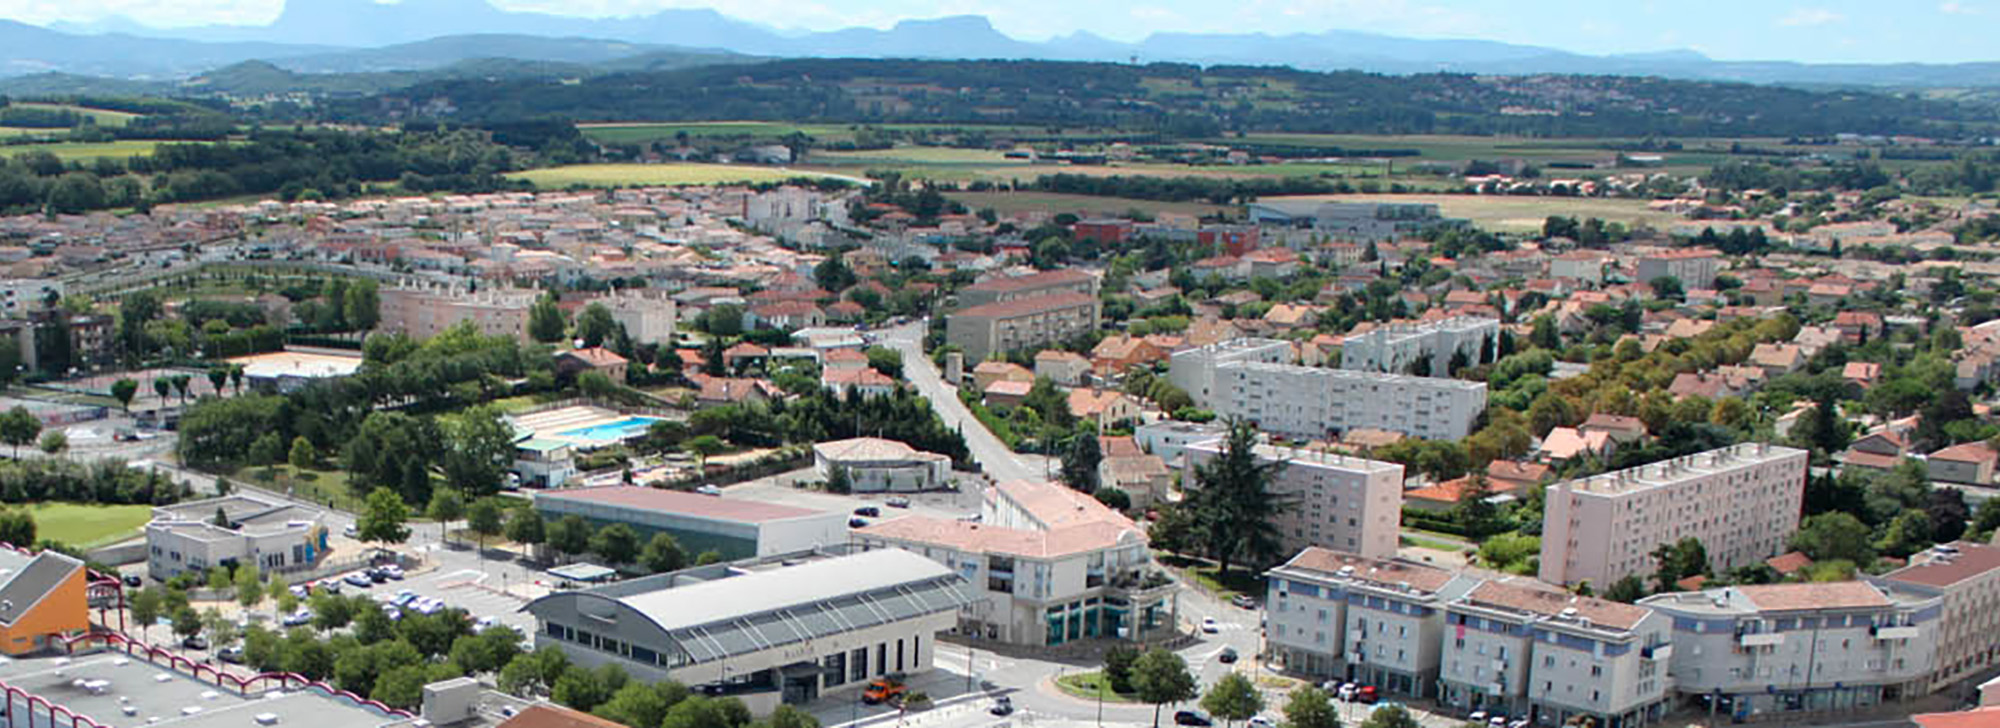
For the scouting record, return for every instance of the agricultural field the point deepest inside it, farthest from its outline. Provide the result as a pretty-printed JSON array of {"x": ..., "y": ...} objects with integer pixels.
[
  {"x": 645, "y": 133},
  {"x": 88, "y": 526},
  {"x": 86, "y": 151},
  {"x": 1519, "y": 214},
  {"x": 103, "y": 117},
  {"x": 671, "y": 175},
  {"x": 1008, "y": 203}
]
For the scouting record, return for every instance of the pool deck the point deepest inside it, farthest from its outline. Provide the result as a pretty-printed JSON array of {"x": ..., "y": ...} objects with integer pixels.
[{"x": 551, "y": 425}]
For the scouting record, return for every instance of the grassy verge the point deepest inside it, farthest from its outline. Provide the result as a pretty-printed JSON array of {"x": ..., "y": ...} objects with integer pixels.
[
  {"x": 994, "y": 423},
  {"x": 318, "y": 486},
  {"x": 88, "y": 526},
  {"x": 1429, "y": 543},
  {"x": 1240, "y": 580},
  {"x": 1092, "y": 686}
]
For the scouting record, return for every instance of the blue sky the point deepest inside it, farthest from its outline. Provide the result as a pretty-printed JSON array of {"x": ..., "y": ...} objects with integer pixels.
[{"x": 1872, "y": 31}]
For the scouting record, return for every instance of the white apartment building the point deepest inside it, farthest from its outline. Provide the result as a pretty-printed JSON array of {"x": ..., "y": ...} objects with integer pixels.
[
  {"x": 1334, "y": 501},
  {"x": 1694, "y": 267},
  {"x": 1050, "y": 565},
  {"x": 1400, "y": 348},
  {"x": 1309, "y": 403},
  {"x": 423, "y": 313},
  {"x": 646, "y": 320},
  {"x": 1194, "y": 370},
  {"x": 1169, "y": 438},
  {"x": 1753, "y": 652},
  {"x": 1524, "y": 649},
  {"x": 1965, "y": 576},
  {"x": 18, "y": 296},
  {"x": 1742, "y": 502},
  {"x": 1332, "y": 614},
  {"x": 272, "y": 535}
]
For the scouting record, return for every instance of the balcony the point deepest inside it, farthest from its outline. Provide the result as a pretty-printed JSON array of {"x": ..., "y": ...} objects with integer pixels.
[
  {"x": 1661, "y": 652},
  {"x": 1139, "y": 584},
  {"x": 1894, "y": 633},
  {"x": 1766, "y": 639}
]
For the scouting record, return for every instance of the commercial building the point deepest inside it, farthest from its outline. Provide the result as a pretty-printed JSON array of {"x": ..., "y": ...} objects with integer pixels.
[
  {"x": 1742, "y": 502},
  {"x": 1016, "y": 288},
  {"x": 1194, "y": 370},
  {"x": 1423, "y": 349},
  {"x": 1528, "y": 650},
  {"x": 1749, "y": 652},
  {"x": 1309, "y": 403},
  {"x": 1049, "y": 565},
  {"x": 1332, "y": 500},
  {"x": 1335, "y": 614},
  {"x": 1965, "y": 576},
  {"x": 736, "y": 528},
  {"x": 1694, "y": 267},
  {"x": 785, "y": 629},
  {"x": 1168, "y": 439},
  {"x": 423, "y": 313},
  {"x": 1350, "y": 221},
  {"x": 875, "y": 465},
  {"x": 285, "y": 371},
  {"x": 1021, "y": 323},
  {"x": 251, "y": 530},
  {"x": 43, "y": 597}
]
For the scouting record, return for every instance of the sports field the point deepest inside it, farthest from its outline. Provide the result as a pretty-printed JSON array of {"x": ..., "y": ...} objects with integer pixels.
[
  {"x": 671, "y": 175},
  {"x": 88, "y": 526}
]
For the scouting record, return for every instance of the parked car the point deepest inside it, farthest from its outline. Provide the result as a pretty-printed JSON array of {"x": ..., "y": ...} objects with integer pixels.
[
  {"x": 231, "y": 655},
  {"x": 708, "y": 490},
  {"x": 1002, "y": 705},
  {"x": 1208, "y": 626},
  {"x": 485, "y": 623},
  {"x": 299, "y": 590},
  {"x": 1478, "y": 717},
  {"x": 1258, "y": 721},
  {"x": 358, "y": 579},
  {"x": 897, "y": 501},
  {"x": 350, "y": 531},
  {"x": 1244, "y": 600},
  {"x": 1227, "y": 656},
  {"x": 1367, "y": 694},
  {"x": 883, "y": 690},
  {"x": 195, "y": 642},
  {"x": 1192, "y": 718},
  {"x": 869, "y": 511},
  {"x": 1498, "y": 721},
  {"x": 134, "y": 581},
  {"x": 857, "y": 523},
  {"x": 299, "y": 618},
  {"x": 330, "y": 586},
  {"x": 393, "y": 571},
  {"x": 376, "y": 576},
  {"x": 1347, "y": 691}
]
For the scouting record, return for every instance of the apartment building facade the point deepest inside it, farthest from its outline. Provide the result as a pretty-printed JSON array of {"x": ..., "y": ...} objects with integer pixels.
[
  {"x": 1528, "y": 650},
  {"x": 1046, "y": 283},
  {"x": 1311, "y": 403},
  {"x": 1337, "y": 614},
  {"x": 1965, "y": 577},
  {"x": 1742, "y": 502},
  {"x": 1194, "y": 370},
  {"x": 1694, "y": 267},
  {"x": 1004, "y": 326},
  {"x": 1050, "y": 565},
  {"x": 423, "y": 313},
  {"x": 1331, "y": 500},
  {"x": 1405, "y": 348},
  {"x": 1747, "y": 652}
]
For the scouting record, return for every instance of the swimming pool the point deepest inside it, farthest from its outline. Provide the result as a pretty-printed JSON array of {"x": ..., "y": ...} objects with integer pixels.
[{"x": 609, "y": 431}]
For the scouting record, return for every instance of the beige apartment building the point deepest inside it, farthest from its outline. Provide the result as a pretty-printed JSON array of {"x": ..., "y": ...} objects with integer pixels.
[
  {"x": 1004, "y": 326},
  {"x": 423, "y": 313},
  {"x": 1047, "y": 283},
  {"x": 1966, "y": 575},
  {"x": 1336, "y": 501},
  {"x": 1694, "y": 267},
  {"x": 1741, "y": 501}
]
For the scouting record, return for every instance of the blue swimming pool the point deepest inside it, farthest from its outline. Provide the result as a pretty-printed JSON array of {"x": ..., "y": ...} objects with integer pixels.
[{"x": 610, "y": 431}]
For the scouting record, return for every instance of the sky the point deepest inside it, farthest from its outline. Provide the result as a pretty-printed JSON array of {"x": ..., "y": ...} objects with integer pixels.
[{"x": 1820, "y": 31}]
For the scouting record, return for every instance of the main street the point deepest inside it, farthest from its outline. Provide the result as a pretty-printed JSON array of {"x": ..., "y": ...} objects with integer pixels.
[{"x": 994, "y": 456}]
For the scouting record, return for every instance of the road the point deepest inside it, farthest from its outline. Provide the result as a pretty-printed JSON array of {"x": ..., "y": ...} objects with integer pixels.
[{"x": 994, "y": 456}]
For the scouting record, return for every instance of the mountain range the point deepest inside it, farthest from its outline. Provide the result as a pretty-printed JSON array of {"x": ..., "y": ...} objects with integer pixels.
[{"x": 346, "y": 36}]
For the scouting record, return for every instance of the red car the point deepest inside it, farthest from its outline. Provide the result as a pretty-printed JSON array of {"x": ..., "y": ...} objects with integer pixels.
[{"x": 1367, "y": 694}]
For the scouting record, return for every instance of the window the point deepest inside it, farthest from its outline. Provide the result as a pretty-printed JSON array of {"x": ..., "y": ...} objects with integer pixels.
[
  {"x": 882, "y": 658},
  {"x": 858, "y": 665},
  {"x": 833, "y": 667},
  {"x": 1597, "y": 671}
]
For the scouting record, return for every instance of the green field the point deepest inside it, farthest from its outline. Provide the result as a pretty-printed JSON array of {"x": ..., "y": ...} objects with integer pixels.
[
  {"x": 1519, "y": 214},
  {"x": 1007, "y": 203},
  {"x": 644, "y": 133},
  {"x": 641, "y": 175},
  {"x": 318, "y": 486},
  {"x": 103, "y": 117},
  {"x": 88, "y": 526},
  {"x": 85, "y": 151}
]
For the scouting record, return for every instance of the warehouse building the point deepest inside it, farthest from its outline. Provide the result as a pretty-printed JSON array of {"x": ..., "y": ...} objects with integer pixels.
[{"x": 736, "y": 528}]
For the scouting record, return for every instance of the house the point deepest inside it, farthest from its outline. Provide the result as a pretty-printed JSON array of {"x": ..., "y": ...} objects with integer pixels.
[
  {"x": 1710, "y": 386},
  {"x": 1862, "y": 374},
  {"x": 1004, "y": 393},
  {"x": 1290, "y": 316},
  {"x": 1622, "y": 429},
  {"x": 988, "y": 372},
  {"x": 1778, "y": 359},
  {"x": 865, "y": 381},
  {"x": 1443, "y": 496},
  {"x": 1789, "y": 563},
  {"x": 1141, "y": 475},
  {"x": 1066, "y": 368},
  {"x": 1856, "y": 327},
  {"x": 1115, "y": 354},
  {"x": 876, "y": 465},
  {"x": 1970, "y": 463},
  {"x": 1515, "y": 475},
  {"x": 1102, "y": 407},
  {"x": 592, "y": 359},
  {"x": 1272, "y": 263},
  {"x": 842, "y": 359},
  {"x": 1564, "y": 444},
  {"x": 845, "y": 312},
  {"x": 719, "y": 391},
  {"x": 1877, "y": 451},
  {"x": 744, "y": 354},
  {"x": 784, "y": 315}
]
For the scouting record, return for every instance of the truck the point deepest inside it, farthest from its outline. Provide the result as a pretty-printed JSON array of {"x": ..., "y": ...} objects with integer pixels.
[{"x": 883, "y": 690}]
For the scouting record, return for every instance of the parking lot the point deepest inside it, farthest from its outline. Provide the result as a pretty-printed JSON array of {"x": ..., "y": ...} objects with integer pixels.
[{"x": 470, "y": 589}]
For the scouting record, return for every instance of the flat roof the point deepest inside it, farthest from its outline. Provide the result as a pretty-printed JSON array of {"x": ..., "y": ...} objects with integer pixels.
[
  {"x": 1675, "y": 470},
  {"x": 164, "y": 702},
  {"x": 768, "y": 591},
  {"x": 641, "y": 498},
  {"x": 1970, "y": 559},
  {"x": 584, "y": 572},
  {"x": 297, "y": 364}
]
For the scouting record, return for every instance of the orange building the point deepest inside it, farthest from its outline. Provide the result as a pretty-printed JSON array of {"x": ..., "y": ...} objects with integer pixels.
[{"x": 41, "y": 597}]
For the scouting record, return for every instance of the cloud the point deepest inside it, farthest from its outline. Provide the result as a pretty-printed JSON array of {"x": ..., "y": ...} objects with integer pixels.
[
  {"x": 1953, "y": 7},
  {"x": 1810, "y": 18}
]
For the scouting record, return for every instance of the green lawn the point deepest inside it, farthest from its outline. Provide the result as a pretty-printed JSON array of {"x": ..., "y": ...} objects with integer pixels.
[
  {"x": 1093, "y": 686},
  {"x": 88, "y": 526},
  {"x": 318, "y": 486},
  {"x": 639, "y": 175}
]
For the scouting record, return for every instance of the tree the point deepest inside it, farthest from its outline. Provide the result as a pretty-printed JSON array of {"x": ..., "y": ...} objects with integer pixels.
[
  {"x": 1908, "y": 533},
  {"x": 267, "y": 450},
  {"x": 146, "y": 606},
  {"x": 838, "y": 480},
  {"x": 1830, "y": 536},
  {"x": 186, "y": 622},
  {"x": 1161, "y": 677},
  {"x": 1628, "y": 590},
  {"x": 1666, "y": 287},
  {"x": 595, "y": 325},
  {"x": 382, "y": 517},
  {"x": 1391, "y": 716},
  {"x": 526, "y": 527},
  {"x": 1081, "y": 459},
  {"x": 19, "y": 427},
  {"x": 249, "y": 586},
  {"x": 53, "y": 442},
  {"x": 478, "y": 450},
  {"x": 1680, "y": 560},
  {"x": 710, "y": 556},
  {"x": 124, "y": 390},
  {"x": 446, "y": 506},
  {"x": 1118, "y": 661},
  {"x": 362, "y": 305},
  {"x": 485, "y": 519},
  {"x": 663, "y": 554},
  {"x": 1233, "y": 698},
  {"x": 545, "y": 320},
  {"x": 302, "y": 454},
  {"x": 161, "y": 386},
  {"x": 833, "y": 274},
  {"x": 1233, "y": 504},
  {"x": 218, "y": 375},
  {"x": 570, "y": 535},
  {"x": 616, "y": 544},
  {"x": 1310, "y": 707}
]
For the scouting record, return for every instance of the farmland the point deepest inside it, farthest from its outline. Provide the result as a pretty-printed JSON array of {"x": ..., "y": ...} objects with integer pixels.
[
  {"x": 102, "y": 117},
  {"x": 1008, "y": 203},
  {"x": 86, "y": 151},
  {"x": 1519, "y": 214},
  {"x": 670, "y": 175}
]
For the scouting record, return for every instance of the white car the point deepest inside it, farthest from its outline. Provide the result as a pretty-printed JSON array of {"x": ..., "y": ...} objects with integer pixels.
[
  {"x": 1258, "y": 721},
  {"x": 1208, "y": 625},
  {"x": 1346, "y": 691},
  {"x": 485, "y": 623},
  {"x": 393, "y": 571},
  {"x": 708, "y": 490},
  {"x": 1478, "y": 716}
]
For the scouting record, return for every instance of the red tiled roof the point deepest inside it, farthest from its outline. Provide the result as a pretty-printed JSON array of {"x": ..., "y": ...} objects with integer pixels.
[
  {"x": 596, "y": 356},
  {"x": 1789, "y": 562},
  {"x": 1024, "y": 306},
  {"x": 1972, "y": 559},
  {"x": 1049, "y": 278},
  {"x": 1988, "y": 717},
  {"x": 548, "y": 715}
]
